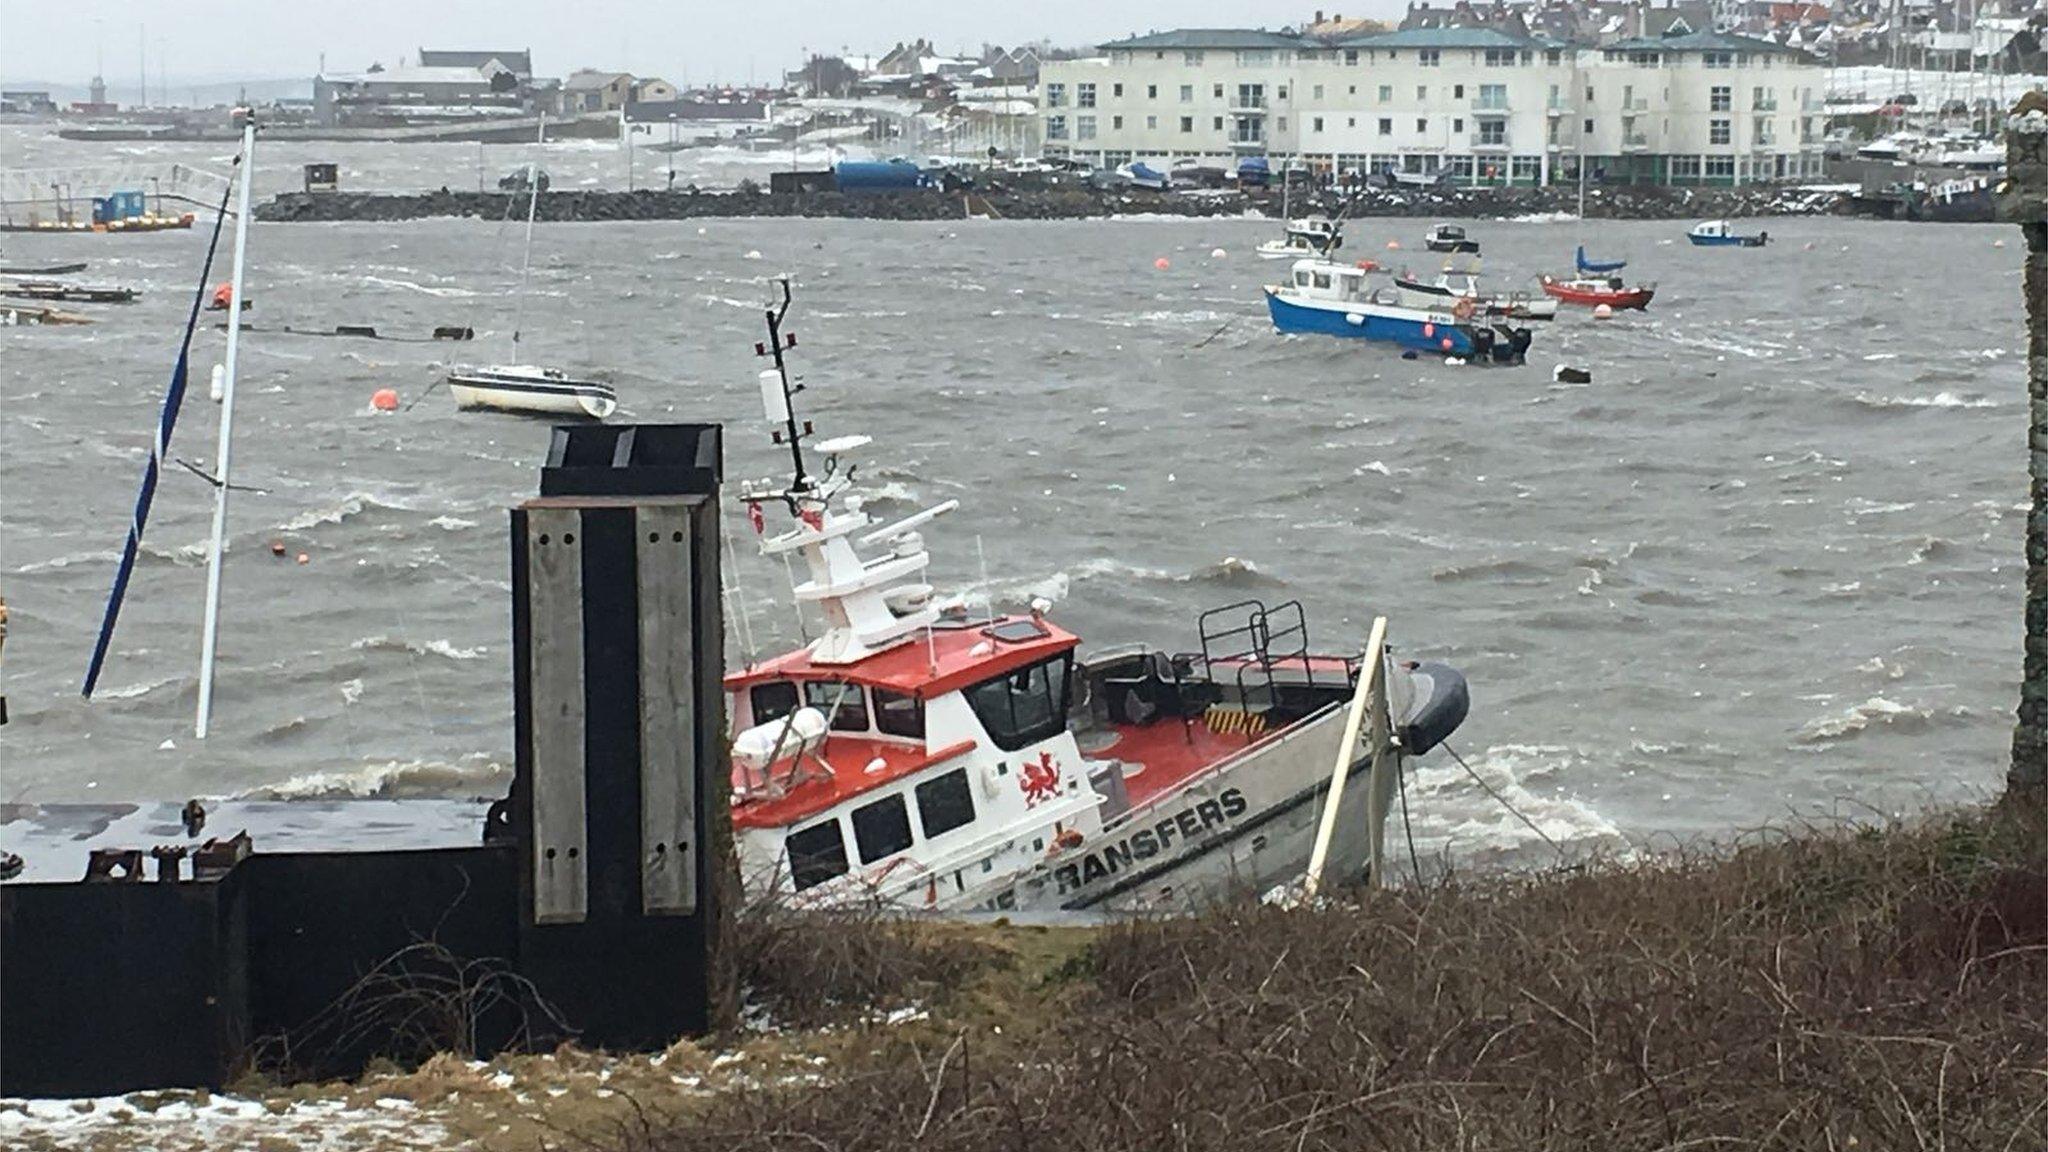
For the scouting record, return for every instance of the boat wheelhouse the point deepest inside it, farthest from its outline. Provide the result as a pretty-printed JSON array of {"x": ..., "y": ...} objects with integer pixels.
[
  {"x": 930, "y": 758},
  {"x": 1323, "y": 297}
]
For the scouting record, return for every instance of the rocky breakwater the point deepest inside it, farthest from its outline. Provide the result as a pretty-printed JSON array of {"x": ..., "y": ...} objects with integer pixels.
[{"x": 1062, "y": 201}]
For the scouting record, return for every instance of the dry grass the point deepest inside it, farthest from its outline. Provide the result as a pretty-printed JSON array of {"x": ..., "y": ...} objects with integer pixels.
[{"x": 1871, "y": 989}]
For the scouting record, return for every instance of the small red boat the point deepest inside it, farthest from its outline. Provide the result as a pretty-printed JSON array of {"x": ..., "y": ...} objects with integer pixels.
[{"x": 1593, "y": 291}]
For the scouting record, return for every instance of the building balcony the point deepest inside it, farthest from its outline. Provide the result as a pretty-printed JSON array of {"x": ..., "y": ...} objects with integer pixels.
[
  {"x": 1635, "y": 142},
  {"x": 1479, "y": 145},
  {"x": 1556, "y": 107},
  {"x": 1764, "y": 106},
  {"x": 1251, "y": 144},
  {"x": 1639, "y": 104},
  {"x": 1241, "y": 108},
  {"x": 1766, "y": 142},
  {"x": 1489, "y": 107}
]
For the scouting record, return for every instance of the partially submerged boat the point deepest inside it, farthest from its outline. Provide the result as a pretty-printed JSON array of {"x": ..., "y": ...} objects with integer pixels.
[
  {"x": 1717, "y": 234},
  {"x": 1449, "y": 238},
  {"x": 926, "y": 757},
  {"x": 1445, "y": 293},
  {"x": 1593, "y": 291},
  {"x": 1326, "y": 298},
  {"x": 531, "y": 390}
]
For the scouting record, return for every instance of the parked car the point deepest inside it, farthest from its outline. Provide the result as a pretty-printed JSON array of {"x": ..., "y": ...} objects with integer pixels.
[{"x": 516, "y": 182}]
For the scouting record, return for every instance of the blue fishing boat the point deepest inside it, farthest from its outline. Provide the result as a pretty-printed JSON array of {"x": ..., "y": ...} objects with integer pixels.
[
  {"x": 1325, "y": 298},
  {"x": 1717, "y": 234},
  {"x": 1598, "y": 266}
]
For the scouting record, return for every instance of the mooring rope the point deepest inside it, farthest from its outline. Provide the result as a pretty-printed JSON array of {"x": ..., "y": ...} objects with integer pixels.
[{"x": 1477, "y": 779}]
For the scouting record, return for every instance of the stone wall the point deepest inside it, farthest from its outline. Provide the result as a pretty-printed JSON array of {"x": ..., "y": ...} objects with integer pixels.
[{"x": 2023, "y": 200}]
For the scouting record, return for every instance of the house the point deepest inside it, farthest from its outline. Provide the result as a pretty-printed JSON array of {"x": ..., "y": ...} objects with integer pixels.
[
  {"x": 415, "y": 93},
  {"x": 652, "y": 90},
  {"x": 520, "y": 63},
  {"x": 587, "y": 90}
]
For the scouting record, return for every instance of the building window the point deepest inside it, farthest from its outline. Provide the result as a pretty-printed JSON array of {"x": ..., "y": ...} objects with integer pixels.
[
  {"x": 1494, "y": 132},
  {"x": 1187, "y": 93},
  {"x": 1500, "y": 57},
  {"x": 1763, "y": 100},
  {"x": 1386, "y": 125},
  {"x": 1318, "y": 93},
  {"x": 1458, "y": 125},
  {"x": 1429, "y": 57},
  {"x": 899, "y": 714},
  {"x": 1023, "y": 707},
  {"x": 1084, "y": 96},
  {"x": 816, "y": 854},
  {"x": 1386, "y": 93},
  {"x": 1719, "y": 98},
  {"x": 1457, "y": 91},
  {"x": 1685, "y": 168},
  {"x": 1055, "y": 95},
  {"x": 1589, "y": 93},
  {"x": 1722, "y": 166},
  {"x": 1251, "y": 96},
  {"x": 1493, "y": 97},
  {"x": 1421, "y": 93},
  {"x": 1192, "y": 59},
  {"x": 881, "y": 829},
  {"x": 1351, "y": 121},
  {"x": 1055, "y": 127},
  {"x": 1717, "y": 132},
  {"x": 1216, "y": 124},
  {"x": 1216, "y": 92},
  {"x": 1422, "y": 123},
  {"x": 1084, "y": 127},
  {"x": 1254, "y": 58},
  {"x": 1716, "y": 59},
  {"x": 846, "y": 704},
  {"x": 1589, "y": 127},
  {"x": 1282, "y": 125},
  {"x": 1187, "y": 123},
  {"x": 1151, "y": 91},
  {"x": 1116, "y": 90},
  {"x": 1280, "y": 93},
  {"x": 1553, "y": 56},
  {"x": 1151, "y": 123},
  {"x": 1116, "y": 123},
  {"x": 1351, "y": 56},
  {"x": 1317, "y": 124},
  {"x": 945, "y": 803}
]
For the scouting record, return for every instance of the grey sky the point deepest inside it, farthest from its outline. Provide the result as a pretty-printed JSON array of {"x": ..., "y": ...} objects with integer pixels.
[{"x": 697, "y": 40}]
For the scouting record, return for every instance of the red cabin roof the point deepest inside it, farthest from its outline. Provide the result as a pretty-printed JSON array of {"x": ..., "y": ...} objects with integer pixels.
[
  {"x": 850, "y": 758},
  {"x": 947, "y": 664}
]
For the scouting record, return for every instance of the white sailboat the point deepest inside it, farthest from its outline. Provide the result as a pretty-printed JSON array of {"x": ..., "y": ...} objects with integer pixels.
[{"x": 529, "y": 388}]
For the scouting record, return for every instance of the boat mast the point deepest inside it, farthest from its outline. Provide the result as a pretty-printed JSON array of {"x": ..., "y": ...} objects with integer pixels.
[
  {"x": 532, "y": 202},
  {"x": 777, "y": 343},
  {"x": 208, "y": 637}
]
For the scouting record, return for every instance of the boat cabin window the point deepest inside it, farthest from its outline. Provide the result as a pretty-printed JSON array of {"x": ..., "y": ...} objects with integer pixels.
[
  {"x": 881, "y": 829},
  {"x": 846, "y": 704},
  {"x": 1301, "y": 279},
  {"x": 1322, "y": 279},
  {"x": 1351, "y": 282},
  {"x": 772, "y": 701},
  {"x": 1025, "y": 706},
  {"x": 816, "y": 854},
  {"x": 898, "y": 715},
  {"x": 945, "y": 803}
]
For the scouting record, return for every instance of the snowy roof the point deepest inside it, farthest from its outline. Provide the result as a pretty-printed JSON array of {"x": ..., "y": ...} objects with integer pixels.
[
  {"x": 1195, "y": 38},
  {"x": 1698, "y": 42},
  {"x": 412, "y": 74},
  {"x": 1441, "y": 38}
]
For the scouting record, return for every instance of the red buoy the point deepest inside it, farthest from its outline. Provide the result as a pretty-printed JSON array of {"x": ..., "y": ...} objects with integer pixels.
[
  {"x": 1444, "y": 343},
  {"x": 223, "y": 296},
  {"x": 385, "y": 400}
]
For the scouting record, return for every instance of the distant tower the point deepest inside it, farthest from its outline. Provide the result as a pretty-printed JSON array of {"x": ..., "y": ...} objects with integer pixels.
[{"x": 99, "y": 90}]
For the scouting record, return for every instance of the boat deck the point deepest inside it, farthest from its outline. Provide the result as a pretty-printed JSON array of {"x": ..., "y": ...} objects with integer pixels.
[{"x": 1162, "y": 755}]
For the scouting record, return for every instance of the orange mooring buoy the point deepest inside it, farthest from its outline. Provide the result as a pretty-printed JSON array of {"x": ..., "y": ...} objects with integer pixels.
[
  {"x": 223, "y": 296},
  {"x": 384, "y": 400}
]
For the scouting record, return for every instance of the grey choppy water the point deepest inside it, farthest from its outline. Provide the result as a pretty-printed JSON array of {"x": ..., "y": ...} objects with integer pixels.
[{"x": 1768, "y": 561}]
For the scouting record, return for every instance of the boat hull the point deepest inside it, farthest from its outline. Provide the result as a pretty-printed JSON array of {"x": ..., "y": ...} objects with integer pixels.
[
  {"x": 534, "y": 397},
  {"x": 1726, "y": 241},
  {"x": 1471, "y": 246},
  {"x": 1626, "y": 298},
  {"x": 1409, "y": 328}
]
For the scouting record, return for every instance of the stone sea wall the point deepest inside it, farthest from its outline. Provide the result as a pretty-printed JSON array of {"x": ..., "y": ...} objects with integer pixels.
[{"x": 1054, "y": 202}]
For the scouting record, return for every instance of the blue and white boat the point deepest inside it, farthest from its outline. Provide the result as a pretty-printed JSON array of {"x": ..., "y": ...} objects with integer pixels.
[
  {"x": 1717, "y": 234},
  {"x": 1325, "y": 298}
]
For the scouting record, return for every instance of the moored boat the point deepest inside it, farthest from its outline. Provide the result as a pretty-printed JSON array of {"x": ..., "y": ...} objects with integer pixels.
[
  {"x": 928, "y": 758},
  {"x": 531, "y": 390},
  {"x": 1593, "y": 291},
  {"x": 1331, "y": 299},
  {"x": 1717, "y": 234},
  {"x": 1449, "y": 238}
]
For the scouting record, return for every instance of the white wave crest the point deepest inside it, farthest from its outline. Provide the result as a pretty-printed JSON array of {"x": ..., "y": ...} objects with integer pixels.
[
  {"x": 428, "y": 648},
  {"x": 1938, "y": 400},
  {"x": 392, "y": 779}
]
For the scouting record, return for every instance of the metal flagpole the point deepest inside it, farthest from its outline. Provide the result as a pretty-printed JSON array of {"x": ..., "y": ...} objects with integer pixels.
[{"x": 227, "y": 430}]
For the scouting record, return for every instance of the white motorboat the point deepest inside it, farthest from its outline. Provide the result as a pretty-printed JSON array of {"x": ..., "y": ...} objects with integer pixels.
[{"x": 530, "y": 389}]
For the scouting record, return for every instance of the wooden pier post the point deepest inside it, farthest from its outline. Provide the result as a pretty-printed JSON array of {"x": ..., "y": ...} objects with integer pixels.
[{"x": 2023, "y": 200}]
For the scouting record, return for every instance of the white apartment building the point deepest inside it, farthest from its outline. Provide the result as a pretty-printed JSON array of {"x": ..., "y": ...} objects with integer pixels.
[{"x": 1487, "y": 105}]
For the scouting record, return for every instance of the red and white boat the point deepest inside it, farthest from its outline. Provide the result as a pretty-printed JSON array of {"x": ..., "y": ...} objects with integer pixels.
[
  {"x": 1593, "y": 291},
  {"x": 929, "y": 758}
]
